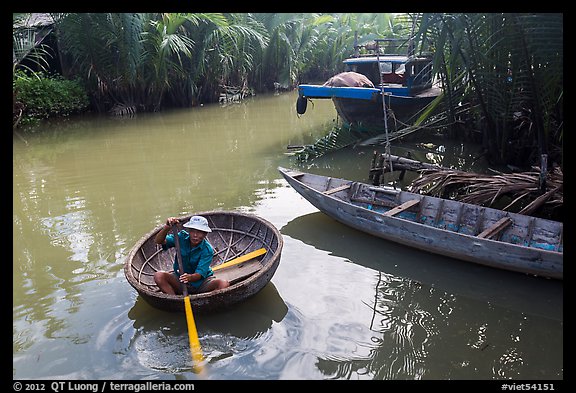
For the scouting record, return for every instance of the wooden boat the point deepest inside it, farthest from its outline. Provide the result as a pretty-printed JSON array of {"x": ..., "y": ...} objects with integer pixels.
[
  {"x": 233, "y": 234},
  {"x": 459, "y": 230}
]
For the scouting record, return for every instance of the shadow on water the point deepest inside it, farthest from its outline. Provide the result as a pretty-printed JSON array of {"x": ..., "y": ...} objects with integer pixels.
[
  {"x": 514, "y": 291},
  {"x": 250, "y": 318},
  {"x": 161, "y": 338},
  {"x": 440, "y": 318}
]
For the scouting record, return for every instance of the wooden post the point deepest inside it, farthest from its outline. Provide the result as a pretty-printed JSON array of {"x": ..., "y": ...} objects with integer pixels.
[
  {"x": 373, "y": 174},
  {"x": 543, "y": 170}
]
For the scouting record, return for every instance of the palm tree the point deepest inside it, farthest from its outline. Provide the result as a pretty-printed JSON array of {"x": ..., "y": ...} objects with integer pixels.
[
  {"x": 174, "y": 57},
  {"x": 277, "y": 59},
  {"x": 510, "y": 68},
  {"x": 145, "y": 61},
  {"x": 106, "y": 50},
  {"x": 27, "y": 45},
  {"x": 230, "y": 53}
]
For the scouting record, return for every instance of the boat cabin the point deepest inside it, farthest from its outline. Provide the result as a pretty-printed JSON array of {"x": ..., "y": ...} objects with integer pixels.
[{"x": 414, "y": 73}]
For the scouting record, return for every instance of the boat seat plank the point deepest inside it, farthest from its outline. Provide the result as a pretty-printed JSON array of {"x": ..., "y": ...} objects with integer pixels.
[
  {"x": 398, "y": 209},
  {"x": 236, "y": 273},
  {"x": 560, "y": 238},
  {"x": 294, "y": 174},
  {"x": 382, "y": 203},
  {"x": 498, "y": 226},
  {"x": 439, "y": 212},
  {"x": 336, "y": 189}
]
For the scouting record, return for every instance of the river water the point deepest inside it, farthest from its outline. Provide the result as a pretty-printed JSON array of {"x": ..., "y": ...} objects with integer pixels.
[{"x": 342, "y": 304}]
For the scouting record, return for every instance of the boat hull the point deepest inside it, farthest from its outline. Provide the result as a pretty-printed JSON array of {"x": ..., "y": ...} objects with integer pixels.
[
  {"x": 361, "y": 106},
  {"x": 357, "y": 112},
  {"x": 431, "y": 238},
  {"x": 233, "y": 234}
]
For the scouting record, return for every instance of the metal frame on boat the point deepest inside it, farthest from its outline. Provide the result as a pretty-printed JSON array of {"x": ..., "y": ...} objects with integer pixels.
[{"x": 405, "y": 80}]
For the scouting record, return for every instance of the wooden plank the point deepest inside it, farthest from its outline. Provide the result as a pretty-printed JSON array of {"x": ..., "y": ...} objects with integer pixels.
[
  {"x": 560, "y": 238},
  {"x": 420, "y": 209},
  {"x": 385, "y": 190},
  {"x": 336, "y": 189},
  {"x": 406, "y": 205},
  {"x": 374, "y": 202},
  {"x": 459, "y": 216},
  {"x": 294, "y": 174},
  {"x": 499, "y": 226},
  {"x": 237, "y": 273},
  {"x": 479, "y": 220},
  {"x": 439, "y": 212},
  {"x": 530, "y": 233},
  {"x": 399, "y": 163}
]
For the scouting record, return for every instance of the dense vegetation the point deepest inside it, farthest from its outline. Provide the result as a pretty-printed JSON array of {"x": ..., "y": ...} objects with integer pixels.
[
  {"x": 49, "y": 95},
  {"x": 502, "y": 73},
  {"x": 152, "y": 61}
]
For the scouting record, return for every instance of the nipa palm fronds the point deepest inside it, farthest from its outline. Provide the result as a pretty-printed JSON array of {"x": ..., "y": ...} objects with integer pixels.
[{"x": 486, "y": 190}]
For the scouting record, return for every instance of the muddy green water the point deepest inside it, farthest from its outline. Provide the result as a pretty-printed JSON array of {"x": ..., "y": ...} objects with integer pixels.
[{"x": 342, "y": 304}]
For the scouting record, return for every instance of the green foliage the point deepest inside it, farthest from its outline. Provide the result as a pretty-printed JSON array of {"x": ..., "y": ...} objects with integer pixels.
[
  {"x": 48, "y": 96},
  {"x": 153, "y": 60},
  {"x": 26, "y": 45},
  {"x": 510, "y": 68}
]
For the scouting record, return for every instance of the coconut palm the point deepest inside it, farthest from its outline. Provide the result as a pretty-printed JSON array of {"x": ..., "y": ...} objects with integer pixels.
[
  {"x": 174, "y": 54},
  {"x": 145, "y": 61},
  {"x": 230, "y": 53},
  {"x": 104, "y": 49},
  {"x": 27, "y": 45},
  {"x": 509, "y": 67}
]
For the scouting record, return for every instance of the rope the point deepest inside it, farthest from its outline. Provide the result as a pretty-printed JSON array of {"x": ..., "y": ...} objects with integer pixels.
[{"x": 387, "y": 146}]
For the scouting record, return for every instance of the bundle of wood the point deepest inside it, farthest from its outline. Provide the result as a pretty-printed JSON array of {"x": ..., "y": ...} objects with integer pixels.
[{"x": 522, "y": 188}]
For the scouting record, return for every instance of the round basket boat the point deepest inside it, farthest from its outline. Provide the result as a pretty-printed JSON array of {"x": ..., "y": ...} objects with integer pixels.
[{"x": 233, "y": 235}]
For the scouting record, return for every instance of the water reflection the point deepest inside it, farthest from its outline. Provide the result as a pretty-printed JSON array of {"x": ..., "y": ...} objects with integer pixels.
[
  {"x": 515, "y": 291},
  {"x": 402, "y": 330},
  {"x": 161, "y": 338},
  {"x": 425, "y": 307},
  {"x": 411, "y": 340},
  {"x": 248, "y": 319}
]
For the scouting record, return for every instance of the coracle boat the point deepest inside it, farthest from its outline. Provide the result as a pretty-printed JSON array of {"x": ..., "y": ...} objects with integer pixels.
[
  {"x": 233, "y": 235},
  {"x": 467, "y": 232}
]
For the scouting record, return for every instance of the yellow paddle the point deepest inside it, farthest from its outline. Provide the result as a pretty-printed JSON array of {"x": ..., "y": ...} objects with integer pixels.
[
  {"x": 241, "y": 259},
  {"x": 195, "y": 349}
]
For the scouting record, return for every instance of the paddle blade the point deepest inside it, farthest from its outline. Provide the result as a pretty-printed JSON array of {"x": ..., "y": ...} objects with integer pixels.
[
  {"x": 241, "y": 259},
  {"x": 195, "y": 349}
]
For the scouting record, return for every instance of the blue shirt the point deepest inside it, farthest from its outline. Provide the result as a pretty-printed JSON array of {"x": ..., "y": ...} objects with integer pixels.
[{"x": 194, "y": 259}]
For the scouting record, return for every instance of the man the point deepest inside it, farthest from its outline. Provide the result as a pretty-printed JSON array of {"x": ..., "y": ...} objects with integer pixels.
[{"x": 197, "y": 254}]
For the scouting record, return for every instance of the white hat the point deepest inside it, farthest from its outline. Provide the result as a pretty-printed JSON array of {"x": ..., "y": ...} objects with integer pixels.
[{"x": 199, "y": 223}]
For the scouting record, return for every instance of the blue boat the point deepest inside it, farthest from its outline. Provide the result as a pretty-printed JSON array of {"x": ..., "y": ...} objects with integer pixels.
[{"x": 406, "y": 81}]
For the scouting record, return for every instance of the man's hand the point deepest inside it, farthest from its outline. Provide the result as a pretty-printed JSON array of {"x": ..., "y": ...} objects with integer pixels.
[
  {"x": 187, "y": 277},
  {"x": 171, "y": 221}
]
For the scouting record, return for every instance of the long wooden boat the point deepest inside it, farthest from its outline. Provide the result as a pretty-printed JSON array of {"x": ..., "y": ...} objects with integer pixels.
[
  {"x": 233, "y": 235},
  {"x": 459, "y": 230}
]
